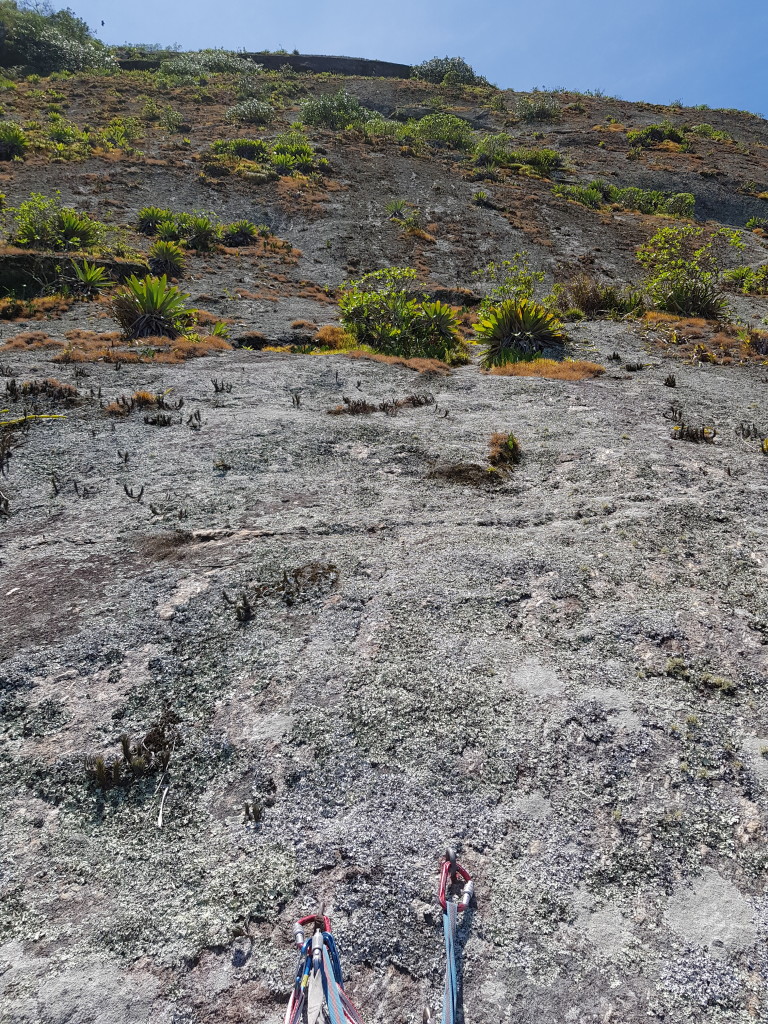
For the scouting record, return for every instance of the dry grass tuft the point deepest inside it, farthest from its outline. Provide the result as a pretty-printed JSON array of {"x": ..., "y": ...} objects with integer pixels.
[
  {"x": 331, "y": 336},
  {"x": 550, "y": 369},
  {"x": 29, "y": 340},
  {"x": 435, "y": 366},
  {"x": 504, "y": 450}
]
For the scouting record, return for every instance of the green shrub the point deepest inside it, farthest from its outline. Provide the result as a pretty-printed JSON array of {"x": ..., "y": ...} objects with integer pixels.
[
  {"x": 451, "y": 70},
  {"x": 149, "y": 218},
  {"x": 13, "y": 141},
  {"x": 122, "y": 132},
  {"x": 515, "y": 330},
  {"x": 749, "y": 280},
  {"x": 335, "y": 110},
  {"x": 248, "y": 149},
  {"x": 386, "y": 311},
  {"x": 42, "y": 40},
  {"x": 652, "y": 134},
  {"x": 206, "y": 62},
  {"x": 599, "y": 193},
  {"x": 241, "y": 232},
  {"x": 43, "y": 223},
  {"x": 150, "y": 307},
  {"x": 250, "y": 112},
  {"x": 683, "y": 268},
  {"x": 441, "y": 130},
  {"x": 756, "y": 222},
  {"x": 167, "y": 258},
  {"x": 706, "y": 131},
  {"x": 508, "y": 279},
  {"x": 595, "y": 298},
  {"x": 538, "y": 107}
]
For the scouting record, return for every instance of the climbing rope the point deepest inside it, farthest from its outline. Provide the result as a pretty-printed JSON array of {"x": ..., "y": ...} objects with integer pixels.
[
  {"x": 319, "y": 983},
  {"x": 451, "y": 872}
]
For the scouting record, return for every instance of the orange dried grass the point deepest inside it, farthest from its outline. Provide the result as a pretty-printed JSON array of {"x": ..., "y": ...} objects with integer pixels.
[{"x": 550, "y": 369}]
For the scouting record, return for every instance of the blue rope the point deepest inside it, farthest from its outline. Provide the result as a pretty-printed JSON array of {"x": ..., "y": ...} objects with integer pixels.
[{"x": 451, "y": 994}]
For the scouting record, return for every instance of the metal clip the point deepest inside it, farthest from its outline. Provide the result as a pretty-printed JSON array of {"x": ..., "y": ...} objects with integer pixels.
[{"x": 450, "y": 872}]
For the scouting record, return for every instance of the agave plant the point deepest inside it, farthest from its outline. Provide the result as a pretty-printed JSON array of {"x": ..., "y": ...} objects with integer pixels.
[
  {"x": 167, "y": 258},
  {"x": 13, "y": 141},
  {"x": 89, "y": 278},
  {"x": 241, "y": 232},
  {"x": 150, "y": 217},
  {"x": 517, "y": 330},
  {"x": 151, "y": 307}
]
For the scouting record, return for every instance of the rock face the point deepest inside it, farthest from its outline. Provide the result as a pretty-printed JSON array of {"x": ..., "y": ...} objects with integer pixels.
[{"x": 314, "y": 662}]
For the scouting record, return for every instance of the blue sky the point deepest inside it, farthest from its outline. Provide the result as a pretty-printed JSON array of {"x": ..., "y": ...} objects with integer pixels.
[{"x": 699, "y": 51}]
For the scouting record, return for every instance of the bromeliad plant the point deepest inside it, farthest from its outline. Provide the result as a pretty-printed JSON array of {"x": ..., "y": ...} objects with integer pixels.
[
  {"x": 167, "y": 258},
  {"x": 150, "y": 307},
  {"x": 90, "y": 279},
  {"x": 516, "y": 330},
  {"x": 387, "y": 311}
]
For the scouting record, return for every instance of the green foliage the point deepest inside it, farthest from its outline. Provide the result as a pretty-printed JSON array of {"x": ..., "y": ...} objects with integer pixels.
[
  {"x": 587, "y": 296},
  {"x": 749, "y": 280},
  {"x": 90, "y": 278},
  {"x": 43, "y": 223},
  {"x": 250, "y": 112},
  {"x": 756, "y": 222},
  {"x": 538, "y": 107},
  {"x": 448, "y": 70},
  {"x": 167, "y": 258},
  {"x": 652, "y": 134},
  {"x": 199, "y": 231},
  {"x": 150, "y": 307},
  {"x": 38, "y": 39},
  {"x": 287, "y": 153},
  {"x": 706, "y": 131},
  {"x": 205, "y": 62},
  {"x": 599, "y": 193},
  {"x": 335, "y": 110},
  {"x": 440, "y": 130},
  {"x": 386, "y": 311},
  {"x": 508, "y": 279},
  {"x": 248, "y": 149},
  {"x": 495, "y": 151},
  {"x": 283, "y": 163},
  {"x": 683, "y": 268},
  {"x": 515, "y": 330},
  {"x": 149, "y": 218},
  {"x": 122, "y": 132},
  {"x": 13, "y": 141},
  {"x": 240, "y": 232}
]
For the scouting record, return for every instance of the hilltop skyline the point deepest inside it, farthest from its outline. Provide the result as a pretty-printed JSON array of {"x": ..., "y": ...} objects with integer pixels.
[{"x": 660, "y": 53}]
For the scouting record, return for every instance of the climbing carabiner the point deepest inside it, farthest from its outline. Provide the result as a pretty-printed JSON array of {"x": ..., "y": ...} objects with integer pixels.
[{"x": 450, "y": 872}]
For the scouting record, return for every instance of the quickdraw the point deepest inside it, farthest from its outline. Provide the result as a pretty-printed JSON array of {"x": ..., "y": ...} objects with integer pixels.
[
  {"x": 319, "y": 983},
  {"x": 451, "y": 873}
]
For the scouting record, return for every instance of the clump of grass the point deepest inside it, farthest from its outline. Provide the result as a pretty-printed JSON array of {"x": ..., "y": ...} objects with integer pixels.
[
  {"x": 550, "y": 369},
  {"x": 504, "y": 451},
  {"x": 588, "y": 296}
]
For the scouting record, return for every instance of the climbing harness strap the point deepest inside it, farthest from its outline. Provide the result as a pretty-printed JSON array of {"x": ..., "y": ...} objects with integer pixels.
[
  {"x": 450, "y": 872},
  {"x": 319, "y": 981}
]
